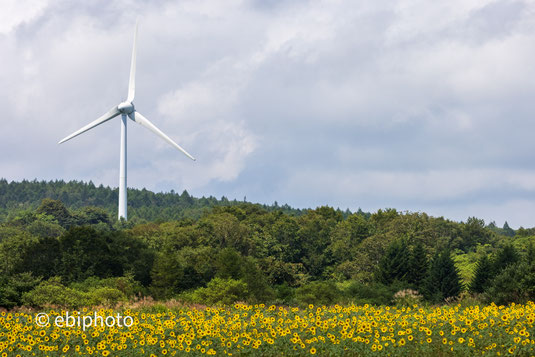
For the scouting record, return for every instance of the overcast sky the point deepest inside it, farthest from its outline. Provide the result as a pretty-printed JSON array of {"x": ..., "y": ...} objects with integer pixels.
[{"x": 414, "y": 104}]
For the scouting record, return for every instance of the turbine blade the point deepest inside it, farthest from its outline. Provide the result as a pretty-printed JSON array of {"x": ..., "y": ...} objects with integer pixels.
[
  {"x": 132, "y": 82},
  {"x": 109, "y": 115},
  {"x": 140, "y": 119}
]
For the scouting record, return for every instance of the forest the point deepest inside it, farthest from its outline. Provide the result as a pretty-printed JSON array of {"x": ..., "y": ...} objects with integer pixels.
[{"x": 61, "y": 245}]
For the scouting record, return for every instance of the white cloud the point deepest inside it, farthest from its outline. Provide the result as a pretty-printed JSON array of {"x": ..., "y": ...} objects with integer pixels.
[{"x": 18, "y": 12}]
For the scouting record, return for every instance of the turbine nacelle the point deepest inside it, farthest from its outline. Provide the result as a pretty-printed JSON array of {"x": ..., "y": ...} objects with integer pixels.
[{"x": 126, "y": 107}]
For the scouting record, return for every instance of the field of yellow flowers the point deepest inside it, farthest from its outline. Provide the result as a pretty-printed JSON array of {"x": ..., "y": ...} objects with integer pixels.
[{"x": 273, "y": 331}]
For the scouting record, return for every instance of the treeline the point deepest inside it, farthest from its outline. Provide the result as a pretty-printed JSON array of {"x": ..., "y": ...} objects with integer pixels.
[
  {"x": 245, "y": 252},
  {"x": 143, "y": 205}
]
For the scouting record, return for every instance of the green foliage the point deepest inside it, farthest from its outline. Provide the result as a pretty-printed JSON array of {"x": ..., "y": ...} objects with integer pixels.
[
  {"x": 506, "y": 256},
  {"x": 52, "y": 292},
  {"x": 443, "y": 280},
  {"x": 221, "y": 291},
  {"x": 285, "y": 295},
  {"x": 466, "y": 261},
  {"x": 347, "y": 235},
  {"x": 318, "y": 293},
  {"x": 418, "y": 267},
  {"x": 92, "y": 292},
  {"x": 57, "y": 210},
  {"x": 279, "y": 272},
  {"x": 14, "y": 286},
  {"x": 275, "y": 251},
  {"x": 231, "y": 265},
  {"x": 143, "y": 204},
  {"x": 482, "y": 276},
  {"x": 505, "y": 231},
  {"x": 373, "y": 293},
  {"x": 45, "y": 227},
  {"x": 167, "y": 274},
  {"x": 507, "y": 286},
  {"x": 395, "y": 264},
  {"x": 313, "y": 239},
  {"x": 473, "y": 233},
  {"x": 13, "y": 245},
  {"x": 126, "y": 285},
  {"x": 106, "y": 296}
]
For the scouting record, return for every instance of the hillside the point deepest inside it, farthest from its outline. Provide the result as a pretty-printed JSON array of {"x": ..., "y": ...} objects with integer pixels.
[
  {"x": 142, "y": 204},
  {"x": 63, "y": 237}
]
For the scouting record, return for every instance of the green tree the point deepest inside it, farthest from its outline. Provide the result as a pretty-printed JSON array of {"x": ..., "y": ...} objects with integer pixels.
[
  {"x": 313, "y": 238},
  {"x": 347, "y": 235},
  {"x": 221, "y": 291},
  {"x": 506, "y": 256},
  {"x": 474, "y": 232},
  {"x": 507, "y": 286},
  {"x": 86, "y": 252},
  {"x": 12, "y": 288},
  {"x": 92, "y": 216},
  {"x": 231, "y": 265},
  {"x": 318, "y": 292},
  {"x": 224, "y": 230},
  {"x": 508, "y": 231},
  {"x": 528, "y": 278},
  {"x": 284, "y": 231},
  {"x": 443, "y": 280},
  {"x": 394, "y": 265},
  {"x": 57, "y": 210},
  {"x": 418, "y": 266},
  {"x": 483, "y": 275},
  {"x": 167, "y": 274},
  {"x": 14, "y": 242}
]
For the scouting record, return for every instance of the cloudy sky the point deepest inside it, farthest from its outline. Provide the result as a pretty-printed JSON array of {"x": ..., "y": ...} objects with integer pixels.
[{"x": 413, "y": 104}]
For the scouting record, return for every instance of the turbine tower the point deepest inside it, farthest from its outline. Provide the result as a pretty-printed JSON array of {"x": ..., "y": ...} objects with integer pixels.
[{"x": 126, "y": 109}]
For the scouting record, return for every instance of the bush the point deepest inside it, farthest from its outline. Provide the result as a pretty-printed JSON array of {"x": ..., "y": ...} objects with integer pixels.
[
  {"x": 285, "y": 295},
  {"x": 106, "y": 296},
  {"x": 124, "y": 284},
  {"x": 373, "y": 294},
  {"x": 52, "y": 292},
  {"x": 507, "y": 286},
  {"x": 318, "y": 293},
  {"x": 221, "y": 291},
  {"x": 13, "y": 287}
]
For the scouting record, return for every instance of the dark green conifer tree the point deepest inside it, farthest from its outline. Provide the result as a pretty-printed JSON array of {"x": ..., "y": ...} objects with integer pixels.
[
  {"x": 443, "y": 280},
  {"x": 483, "y": 275},
  {"x": 418, "y": 266},
  {"x": 528, "y": 280},
  {"x": 394, "y": 265},
  {"x": 506, "y": 256}
]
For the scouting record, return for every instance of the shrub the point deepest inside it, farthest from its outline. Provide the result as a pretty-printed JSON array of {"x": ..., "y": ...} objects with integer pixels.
[
  {"x": 285, "y": 295},
  {"x": 318, "y": 293},
  {"x": 106, "y": 296},
  {"x": 52, "y": 292},
  {"x": 507, "y": 286},
  {"x": 374, "y": 293},
  {"x": 13, "y": 287},
  {"x": 221, "y": 291},
  {"x": 124, "y": 284}
]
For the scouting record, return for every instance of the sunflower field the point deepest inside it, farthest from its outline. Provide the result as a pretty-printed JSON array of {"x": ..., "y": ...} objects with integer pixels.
[{"x": 258, "y": 330}]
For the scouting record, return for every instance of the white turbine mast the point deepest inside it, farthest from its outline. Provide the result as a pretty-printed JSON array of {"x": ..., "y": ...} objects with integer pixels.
[{"x": 127, "y": 109}]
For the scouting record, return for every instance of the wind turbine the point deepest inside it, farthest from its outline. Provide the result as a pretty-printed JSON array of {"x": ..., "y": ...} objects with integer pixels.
[{"x": 126, "y": 109}]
